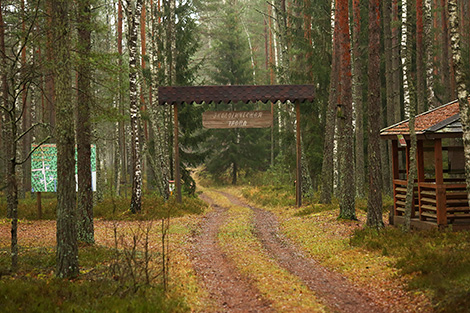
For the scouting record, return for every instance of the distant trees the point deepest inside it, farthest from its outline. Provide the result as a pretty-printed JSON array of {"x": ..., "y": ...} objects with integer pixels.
[{"x": 233, "y": 149}]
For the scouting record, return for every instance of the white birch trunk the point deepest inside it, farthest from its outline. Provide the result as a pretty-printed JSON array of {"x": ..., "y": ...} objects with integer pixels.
[
  {"x": 403, "y": 45},
  {"x": 428, "y": 46},
  {"x": 133, "y": 15}
]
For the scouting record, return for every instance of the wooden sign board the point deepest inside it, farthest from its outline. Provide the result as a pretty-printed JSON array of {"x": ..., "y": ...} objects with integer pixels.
[{"x": 237, "y": 119}]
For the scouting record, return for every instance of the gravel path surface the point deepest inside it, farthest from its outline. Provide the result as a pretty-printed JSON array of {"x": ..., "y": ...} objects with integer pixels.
[
  {"x": 336, "y": 292},
  {"x": 228, "y": 289}
]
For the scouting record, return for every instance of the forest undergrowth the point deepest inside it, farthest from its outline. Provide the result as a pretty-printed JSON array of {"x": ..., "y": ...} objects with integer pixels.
[{"x": 420, "y": 271}]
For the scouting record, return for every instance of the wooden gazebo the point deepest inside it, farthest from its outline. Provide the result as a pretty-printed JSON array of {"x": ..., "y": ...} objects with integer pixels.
[{"x": 440, "y": 196}]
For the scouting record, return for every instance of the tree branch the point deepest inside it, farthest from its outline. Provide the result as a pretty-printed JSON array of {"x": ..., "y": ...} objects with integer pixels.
[{"x": 34, "y": 150}]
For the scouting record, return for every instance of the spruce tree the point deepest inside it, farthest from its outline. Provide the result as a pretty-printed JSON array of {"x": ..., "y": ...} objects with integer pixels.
[{"x": 235, "y": 149}]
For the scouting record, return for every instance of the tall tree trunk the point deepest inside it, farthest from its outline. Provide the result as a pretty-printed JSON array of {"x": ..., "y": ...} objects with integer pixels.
[
  {"x": 50, "y": 88},
  {"x": 461, "y": 87},
  {"x": 84, "y": 101},
  {"x": 330, "y": 122},
  {"x": 357, "y": 95},
  {"x": 346, "y": 153},
  {"x": 407, "y": 59},
  {"x": 445, "y": 60},
  {"x": 374, "y": 203},
  {"x": 387, "y": 15},
  {"x": 133, "y": 16},
  {"x": 420, "y": 77},
  {"x": 431, "y": 101},
  {"x": 26, "y": 111},
  {"x": 67, "y": 247},
  {"x": 396, "y": 64},
  {"x": 159, "y": 161},
  {"x": 404, "y": 52},
  {"x": 9, "y": 146}
]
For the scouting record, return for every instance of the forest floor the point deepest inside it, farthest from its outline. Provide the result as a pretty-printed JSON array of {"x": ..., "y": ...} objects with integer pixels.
[{"x": 239, "y": 257}]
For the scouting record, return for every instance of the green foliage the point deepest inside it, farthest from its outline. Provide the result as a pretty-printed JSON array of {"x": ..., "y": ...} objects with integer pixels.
[
  {"x": 95, "y": 291},
  {"x": 282, "y": 195},
  {"x": 315, "y": 208},
  {"x": 438, "y": 262},
  {"x": 231, "y": 58}
]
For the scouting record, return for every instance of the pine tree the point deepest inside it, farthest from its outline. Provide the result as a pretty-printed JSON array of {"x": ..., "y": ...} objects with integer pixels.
[
  {"x": 346, "y": 154},
  {"x": 84, "y": 98},
  {"x": 374, "y": 203},
  {"x": 237, "y": 149},
  {"x": 67, "y": 245}
]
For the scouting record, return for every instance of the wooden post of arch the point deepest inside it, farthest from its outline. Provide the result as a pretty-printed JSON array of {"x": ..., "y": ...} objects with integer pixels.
[
  {"x": 177, "y": 156},
  {"x": 298, "y": 185}
]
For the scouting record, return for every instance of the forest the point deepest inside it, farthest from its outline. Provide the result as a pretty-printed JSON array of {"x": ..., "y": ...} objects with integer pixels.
[{"x": 116, "y": 199}]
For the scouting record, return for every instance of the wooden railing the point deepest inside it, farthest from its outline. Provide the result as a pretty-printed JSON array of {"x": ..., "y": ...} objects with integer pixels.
[
  {"x": 441, "y": 204},
  {"x": 399, "y": 191}
]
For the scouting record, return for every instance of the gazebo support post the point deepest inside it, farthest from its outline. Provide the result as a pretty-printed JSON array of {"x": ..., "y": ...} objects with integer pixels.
[
  {"x": 177, "y": 156},
  {"x": 420, "y": 168},
  {"x": 440, "y": 187},
  {"x": 298, "y": 185},
  {"x": 396, "y": 173}
]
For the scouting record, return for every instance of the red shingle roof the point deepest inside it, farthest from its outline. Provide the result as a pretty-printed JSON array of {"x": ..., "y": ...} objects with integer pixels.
[
  {"x": 226, "y": 94},
  {"x": 430, "y": 121}
]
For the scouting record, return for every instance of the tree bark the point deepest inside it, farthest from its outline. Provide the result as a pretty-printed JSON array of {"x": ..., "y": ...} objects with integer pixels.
[
  {"x": 67, "y": 247},
  {"x": 445, "y": 60},
  {"x": 159, "y": 160},
  {"x": 374, "y": 203},
  {"x": 387, "y": 15},
  {"x": 330, "y": 123},
  {"x": 133, "y": 16},
  {"x": 404, "y": 50},
  {"x": 396, "y": 64},
  {"x": 9, "y": 130},
  {"x": 412, "y": 172},
  {"x": 431, "y": 100},
  {"x": 346, "y": 152},
  {"x": 357, "y": 95},
  {"x": 461, "y": 86},
  {"x": 420, "y": 77},
  {"x": 84, "y": 101}
]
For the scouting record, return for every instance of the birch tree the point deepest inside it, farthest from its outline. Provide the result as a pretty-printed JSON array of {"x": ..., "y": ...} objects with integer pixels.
[
  {"x": 428, "y": 48},
  {"x": 411, "y": 103},
  {"x": 134, "y": 10}
]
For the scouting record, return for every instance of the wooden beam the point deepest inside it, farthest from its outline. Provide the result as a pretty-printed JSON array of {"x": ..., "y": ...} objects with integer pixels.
[{"x": 298, "y": 184}]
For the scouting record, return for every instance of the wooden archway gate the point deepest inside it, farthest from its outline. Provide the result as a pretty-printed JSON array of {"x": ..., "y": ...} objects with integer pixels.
[{"x": 225, "y": 94}]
